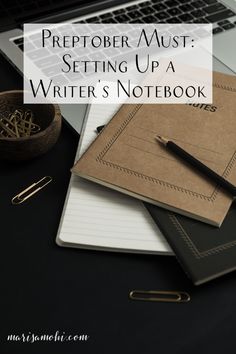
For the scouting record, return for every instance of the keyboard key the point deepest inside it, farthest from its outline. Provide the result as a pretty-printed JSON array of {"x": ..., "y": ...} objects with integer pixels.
[
  {"x": 198, "y": 13},
  {"x": 39, "y": 53},
  {"x": 228, "y": 26},
  {"x": 135, "y": 14},
  {"x": 214, "y": 8},
  {"x": 131, "y": 8},
  {"x": 220, "y": 16},
  {"x": 73, "y": 76},
  {"x": 173, "y": 20},
  {"x": 35, "y": 36},
  {"x": 186, "y": 8},
  {"x": 222, "y": 23},
  {"x": 92, "y": 20},
  {"x": 140, "y": 21},
  {"x": 217, "y": 30},
  {"x": 198, "y": 4},
  {"x": 200, "y": 20},
  {"x": 148, "y": 19},
  {"x": 175, "y": 11},
  {"x": 103, "y": 16},
  {"x": 97, "y": 56},
  {"x": 111, "y": 20},
  {"x": 144, "y": 4},
  {"x": 52, "y": 70},
  {"x": 48, "y": 61},
  {"x": 210, "y": 2},
  {"x": 162, "y": 15},
  {"x": 59, "y": 79},
  {"x": 171, "y": 3},
  {"x": 186, "y": 17},
  {"x": 28, "y": 46},
  {"x": 119, "y": 12},
  {"x": 147, "y": 10},
  {"x": 122, "y": 18},
  {"x": 159, "y": 7}
]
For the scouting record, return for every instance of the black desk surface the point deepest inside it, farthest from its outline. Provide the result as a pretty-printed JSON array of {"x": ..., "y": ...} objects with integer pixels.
[{"x": 45, "y": 288}]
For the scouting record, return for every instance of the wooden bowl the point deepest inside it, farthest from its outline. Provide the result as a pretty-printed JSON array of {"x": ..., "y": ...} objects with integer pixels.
[{"x": 47, "y": 116}]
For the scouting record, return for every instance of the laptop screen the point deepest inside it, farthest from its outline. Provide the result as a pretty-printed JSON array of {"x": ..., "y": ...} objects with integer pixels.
[{"x": 14, "y": 12}]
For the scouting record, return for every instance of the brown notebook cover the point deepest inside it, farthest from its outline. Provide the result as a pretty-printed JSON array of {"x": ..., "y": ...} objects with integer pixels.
[{"x": 126, "y": 156}]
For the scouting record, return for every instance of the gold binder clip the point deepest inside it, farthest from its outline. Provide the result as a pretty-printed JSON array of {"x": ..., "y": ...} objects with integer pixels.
[
  {"x": 31, "y": 190},
  {"x": 159, "y": 296}
]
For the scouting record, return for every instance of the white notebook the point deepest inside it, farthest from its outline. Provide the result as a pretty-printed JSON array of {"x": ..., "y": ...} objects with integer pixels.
[{"x": 95, "y": 217}]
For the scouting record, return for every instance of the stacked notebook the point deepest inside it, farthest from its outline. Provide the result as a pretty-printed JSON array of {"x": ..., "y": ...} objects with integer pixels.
[
  {"x": 196, "y": 217},
  {"x": 126, "y": 156},
  {"x": 96, "y": 217}
]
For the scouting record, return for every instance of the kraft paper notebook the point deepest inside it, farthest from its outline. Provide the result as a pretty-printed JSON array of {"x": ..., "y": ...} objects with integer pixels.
[
  {"x": 96, "y": 217},
  {"x": 127, "y": 158}
]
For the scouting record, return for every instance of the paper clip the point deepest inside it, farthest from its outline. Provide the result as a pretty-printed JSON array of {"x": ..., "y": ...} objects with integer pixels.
[
  {"x": 159, "y": 296},
  {"x": 31, "y": 190}
]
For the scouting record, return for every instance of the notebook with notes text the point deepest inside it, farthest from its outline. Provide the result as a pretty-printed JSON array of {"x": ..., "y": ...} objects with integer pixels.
[
  {"x": 95, "y": 217},
  {"x": 127, "y": 157}
]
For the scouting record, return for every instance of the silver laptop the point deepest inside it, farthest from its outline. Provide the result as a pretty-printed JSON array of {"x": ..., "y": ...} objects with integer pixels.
[{"x": 13, "y": 13}]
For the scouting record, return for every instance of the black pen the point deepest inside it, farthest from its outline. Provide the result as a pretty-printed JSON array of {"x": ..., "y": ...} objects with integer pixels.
[{"x": 212, "y": 175}]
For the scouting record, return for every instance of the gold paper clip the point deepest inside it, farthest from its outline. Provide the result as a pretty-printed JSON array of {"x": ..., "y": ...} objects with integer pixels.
[
  {"x": 159, "y": 296},
  {"x": 31, "y": 190}
]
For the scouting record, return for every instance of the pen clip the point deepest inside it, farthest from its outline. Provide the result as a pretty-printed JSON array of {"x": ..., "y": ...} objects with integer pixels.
[
  {"x": 159, "y": 296},
  {"x": 29, "y": 191},
  {"x": 100, "y": 128}
]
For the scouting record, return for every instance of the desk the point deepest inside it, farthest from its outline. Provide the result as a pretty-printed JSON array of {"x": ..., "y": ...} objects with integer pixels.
[{"x": 45, "y": 288}]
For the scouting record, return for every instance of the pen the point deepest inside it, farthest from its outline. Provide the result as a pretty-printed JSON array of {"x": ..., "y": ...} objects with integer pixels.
[
  {"x": 99, "y": 129},
  {"x": 212, "y": 175}
]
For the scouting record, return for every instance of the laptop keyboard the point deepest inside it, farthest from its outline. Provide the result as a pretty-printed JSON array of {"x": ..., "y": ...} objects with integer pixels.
[
  {"x": 171, "y": 11},
  {"x": 168, "y": 11},
  {"x": 152, "y": 11}
]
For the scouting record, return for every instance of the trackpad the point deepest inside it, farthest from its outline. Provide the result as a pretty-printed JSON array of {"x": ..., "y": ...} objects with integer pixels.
[{"x": 224, "y": 48}]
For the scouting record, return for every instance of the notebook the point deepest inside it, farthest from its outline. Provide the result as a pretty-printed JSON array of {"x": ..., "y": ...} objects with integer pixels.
[
  {"x": 205, "y": 252},
  {"x": 96, "y": 217},
  {"x": 126, "y": 156}
]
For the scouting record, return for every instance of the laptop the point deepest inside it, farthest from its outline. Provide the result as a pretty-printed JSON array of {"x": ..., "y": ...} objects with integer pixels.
[{"x": 13, "y": 13}]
